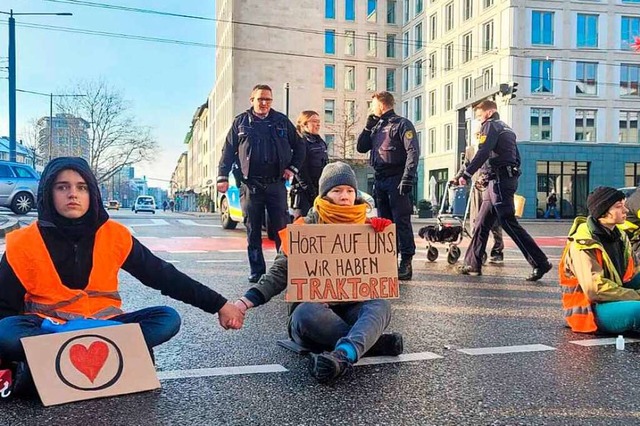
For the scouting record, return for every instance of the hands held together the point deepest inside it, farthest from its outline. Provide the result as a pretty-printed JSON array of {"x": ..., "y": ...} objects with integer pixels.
[{"x": 230, "y": 317}]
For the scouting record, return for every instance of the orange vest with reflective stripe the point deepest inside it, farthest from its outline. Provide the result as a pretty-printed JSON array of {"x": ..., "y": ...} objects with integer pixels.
[
  {"x": 577, "y": 308},
  {"x": 47, "y": 296}
]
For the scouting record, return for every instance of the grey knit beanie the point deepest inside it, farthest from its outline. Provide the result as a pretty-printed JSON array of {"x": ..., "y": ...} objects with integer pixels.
[{"x": 335, "y": 174}]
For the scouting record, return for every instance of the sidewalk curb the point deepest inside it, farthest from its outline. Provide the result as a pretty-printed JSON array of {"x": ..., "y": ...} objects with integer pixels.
[{"x": 11, "y": 225}]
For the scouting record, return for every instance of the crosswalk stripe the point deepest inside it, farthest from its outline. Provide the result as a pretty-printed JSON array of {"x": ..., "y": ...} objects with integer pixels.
[
  {"x": 418, "y": 356},
  {"x": 601, "y": 342},
  {"x": 506, "y": 349},
  {"x": 221, "y": 371},
  {"x": 194, "y": 223}
]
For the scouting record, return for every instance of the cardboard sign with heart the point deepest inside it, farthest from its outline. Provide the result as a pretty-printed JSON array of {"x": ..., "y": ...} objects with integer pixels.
[{"x": 90, "y": 363}]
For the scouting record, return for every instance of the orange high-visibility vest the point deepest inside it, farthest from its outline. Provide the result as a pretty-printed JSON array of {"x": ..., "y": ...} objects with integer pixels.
[
  {"x": 47, "y": 296},
  {"x": 577, "y": 308}
]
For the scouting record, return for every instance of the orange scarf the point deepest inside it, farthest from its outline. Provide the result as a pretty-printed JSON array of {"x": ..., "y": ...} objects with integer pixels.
[{"x": 333, "y": 213}]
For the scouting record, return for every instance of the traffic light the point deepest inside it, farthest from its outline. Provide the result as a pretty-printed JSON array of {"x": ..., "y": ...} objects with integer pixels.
[
  {"x": 504, "y": 89},
  {"x": 514, "y": 89},
  {"x": 508, "y": 90}
]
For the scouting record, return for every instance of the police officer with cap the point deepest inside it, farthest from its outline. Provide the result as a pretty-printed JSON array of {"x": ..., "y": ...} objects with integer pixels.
[
  {"x": 499, "y": 158},
  {"x": 395, "y": 151},
  {"x": 264, "y": 146}
]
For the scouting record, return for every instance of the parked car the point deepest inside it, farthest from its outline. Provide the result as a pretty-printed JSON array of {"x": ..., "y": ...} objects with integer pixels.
[
  {"x": 145, "y": 203},
  {"x": 18, "y": 186},
  {"x": 113, "y": 205},
  {"x": 231, "y": 211}
]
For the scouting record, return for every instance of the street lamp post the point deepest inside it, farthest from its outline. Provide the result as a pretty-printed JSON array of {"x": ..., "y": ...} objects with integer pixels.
[{"x": 12, "y": 75}]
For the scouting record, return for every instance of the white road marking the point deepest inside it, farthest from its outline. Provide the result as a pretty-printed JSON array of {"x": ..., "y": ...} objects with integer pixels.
[
  {"x": 601, "y": 342},
  {"x": 194, "y": 223},
  {"x": 232, "y": 251},
  {"x": 187, "y": 238},
  {"x": 172, "y": 261},
  {"x": 418, "y": 356},
  {"x": 154, "y": 222},
  {"x": 186, "y": 251},
  {"x": 506, "y": 349},
  {"x": 221, "y": 371},
  {"x": 220, "y": 261}
]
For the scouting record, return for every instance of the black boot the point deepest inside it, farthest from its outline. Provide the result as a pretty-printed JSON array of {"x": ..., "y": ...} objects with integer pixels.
[
  {"x": 405, "y": 271},
  {"x": 388, "y": 344},
  {"x": 327, "y": 367}
]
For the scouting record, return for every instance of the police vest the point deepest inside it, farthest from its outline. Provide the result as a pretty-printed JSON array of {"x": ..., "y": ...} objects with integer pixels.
[
  {"x": 47, "y": 296},
  {"x": 577, "y": 308}
]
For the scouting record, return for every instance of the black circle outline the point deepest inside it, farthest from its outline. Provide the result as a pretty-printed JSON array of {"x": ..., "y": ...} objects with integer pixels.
[{"x": 106, "y": 385}]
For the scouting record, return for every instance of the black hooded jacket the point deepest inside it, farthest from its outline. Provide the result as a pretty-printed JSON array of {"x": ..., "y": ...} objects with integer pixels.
[{"x": 70, "y": 245}]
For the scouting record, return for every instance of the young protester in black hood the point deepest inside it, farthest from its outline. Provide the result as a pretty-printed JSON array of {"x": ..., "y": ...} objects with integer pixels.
[{"x": 61, "y": 272}]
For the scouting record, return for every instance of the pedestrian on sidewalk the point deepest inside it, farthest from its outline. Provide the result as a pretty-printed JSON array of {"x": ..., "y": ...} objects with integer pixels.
[
  {"x": 61, "y": 272},
  {"x": 338, "y": 333},
  {"x": 552, "y": 201},
  {"x": 499, "y": 158},
  {"x": 600, "y": 285}
]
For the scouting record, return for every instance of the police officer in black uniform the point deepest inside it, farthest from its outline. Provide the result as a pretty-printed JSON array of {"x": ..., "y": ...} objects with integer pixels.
[
  {"x": 395, "y": 151},
  {"x": 265, "y": 147},
  {"x": 304, "y": 188},
  {"x": 500, "y": 160}
]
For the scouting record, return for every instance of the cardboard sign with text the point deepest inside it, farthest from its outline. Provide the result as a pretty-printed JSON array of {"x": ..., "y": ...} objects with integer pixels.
[
  {"x": 341, "y": 263},
  {"x": 90, "y": 363}
]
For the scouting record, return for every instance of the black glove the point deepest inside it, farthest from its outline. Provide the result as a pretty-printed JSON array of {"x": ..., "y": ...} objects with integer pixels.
[
  {"x": 405, "y": 187},
  {"x": 372, "y": 120}
]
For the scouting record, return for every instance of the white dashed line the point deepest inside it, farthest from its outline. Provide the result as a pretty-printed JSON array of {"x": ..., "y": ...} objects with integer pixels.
[
  {"x": 221, "y": 371},
  {"x": 601, "y": 342},
  {"x": 506, "y": 349},
  {"x": 418, "y": 356}
]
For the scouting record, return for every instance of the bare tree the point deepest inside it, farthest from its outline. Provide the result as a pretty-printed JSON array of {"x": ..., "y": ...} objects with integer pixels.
[
  {"x": 30, "y": 140},
  {"x": 346, "y": 130},
  {"x": 115, "y": 140}
]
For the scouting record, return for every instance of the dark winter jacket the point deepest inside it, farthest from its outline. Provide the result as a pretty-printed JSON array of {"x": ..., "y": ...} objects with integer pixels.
[{"x": 70, "y": 245}]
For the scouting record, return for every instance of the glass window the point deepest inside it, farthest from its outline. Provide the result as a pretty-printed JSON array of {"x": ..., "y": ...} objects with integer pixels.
[
  {"x": 448, "y": 17},
  {"x": 587, "y": 31},
  {"x": 405, "y": 109},
  {"x": 467, "y": 11},
  {"x": 448, "y": 97},
  {"x": 391, "y": 80},
  {"x": 541, "y": 76},
  {"x": 372, "y": 44},
  {"x": 432, "y": 140},
  {"x": 432, "y": 103},
  {"x": 418, "y": 37},
  {"x": 329, "y": 76},
  {"x": 541, "y": 27},
  {"x": 350, "y": 10},
  {"x": 417, "y": 69},
  {"x": 487, "y": 78},
  {"x": 448, "y": 57},
  {"x": 372, "y": 10},
  {"x": 349, "y": 77},
  {"x": 372, "y": 79},
  {"x": 391, "y": 45},
  {"x": 629, "y": 29},
  {"x": 405, "y": 79},
  {"x": 541, "y": 124},
  {"x": 487, "y": 36},
  {"x": 433, "y": 27},
  {"x": 417, "y": 108},
  {"x": 629, "y": 127},
  {"x": 329, "y": 110},
  {"x": 22, "y": 172},
  {"x": 350, "y": 43},
  {"x": 466, "y": 87},
  {"x": 330, "y": 140},
  {"x": 391, "y": 11},
  {"x": 586, "y": 125},
  {"x": 467, "y": 47},
  {"x": 487, "y": 3},
  {"x": 632, "y": 174},
  {"x": 406, "y": 11},
  {"x": 432, "y": 64},
  {"x": 419, "y": 6},
  {"x": 448, "y": 137},
  {"x": 5, "y": 171},
  {"x": 330, "y": 9},
  {"x": 586, "y": 78},
  {"x": 405, "y": 45},
  {"x": 330, "y": 42},
  {"x": 629, "y": 79}
]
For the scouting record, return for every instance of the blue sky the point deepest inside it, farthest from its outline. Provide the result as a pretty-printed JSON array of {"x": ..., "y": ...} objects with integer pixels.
[{"x": 164, "y": 83}]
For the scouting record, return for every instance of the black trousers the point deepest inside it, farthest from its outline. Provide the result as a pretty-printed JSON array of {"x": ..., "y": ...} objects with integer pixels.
[
  {"x": 397, "y": 208},
  {"x": 254, "y": 199},
  {"x": 497, "y": 205}
]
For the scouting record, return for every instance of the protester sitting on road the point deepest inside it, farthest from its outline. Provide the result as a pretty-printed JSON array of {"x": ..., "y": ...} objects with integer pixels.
[
  {"x": 600, "y": 286},
  {"x": 344, "y": 331},
  {"x": 64, "y": 267}
]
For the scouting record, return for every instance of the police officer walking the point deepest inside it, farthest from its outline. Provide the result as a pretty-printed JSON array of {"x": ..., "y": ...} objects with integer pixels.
[
  {"x": 304, "y": 188},
  {"x": 499, "y": 158},
  {"x": 394, "y": 156},
  {"x": 265, "y": 146}
]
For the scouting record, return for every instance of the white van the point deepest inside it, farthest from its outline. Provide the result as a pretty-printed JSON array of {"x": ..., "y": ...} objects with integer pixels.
[{"x": 145, "y": 203}]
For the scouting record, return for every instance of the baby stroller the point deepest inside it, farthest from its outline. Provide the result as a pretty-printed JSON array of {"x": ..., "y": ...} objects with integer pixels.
[{"x": 450, "y": 227}]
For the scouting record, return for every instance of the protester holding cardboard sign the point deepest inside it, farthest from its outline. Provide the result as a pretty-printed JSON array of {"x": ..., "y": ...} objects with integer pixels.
[
  {"x": 345, "y": 331},
  {"x": 62, "y": 270}
]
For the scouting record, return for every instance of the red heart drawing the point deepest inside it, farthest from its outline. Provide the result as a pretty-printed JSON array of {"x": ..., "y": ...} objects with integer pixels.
[{"x": 89, "y": 361}]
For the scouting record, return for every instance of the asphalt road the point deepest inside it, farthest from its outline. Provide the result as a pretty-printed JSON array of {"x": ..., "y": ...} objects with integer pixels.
[{"x": 489, "y": 350}]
